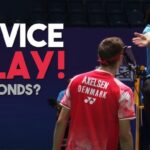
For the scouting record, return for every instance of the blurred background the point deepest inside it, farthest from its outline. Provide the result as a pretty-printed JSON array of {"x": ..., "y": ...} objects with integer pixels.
[
  {"x": 27, "y": 123},
  {"x": 86, "y": 13}
]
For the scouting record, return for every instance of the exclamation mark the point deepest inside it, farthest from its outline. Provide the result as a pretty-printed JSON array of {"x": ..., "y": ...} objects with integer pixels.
[{"x": 61, "y": 64}]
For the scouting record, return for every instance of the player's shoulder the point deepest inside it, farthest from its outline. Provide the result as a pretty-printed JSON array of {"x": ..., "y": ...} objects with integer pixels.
[
  {"x": 146, "y": 29},
  {"x": 121, "y": 85}
]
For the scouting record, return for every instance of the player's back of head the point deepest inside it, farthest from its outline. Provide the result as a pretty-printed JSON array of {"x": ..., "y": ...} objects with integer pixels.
[{"x": 109, "y": 51}]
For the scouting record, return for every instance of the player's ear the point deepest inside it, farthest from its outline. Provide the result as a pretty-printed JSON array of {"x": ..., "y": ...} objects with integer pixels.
[{"x": 121, "y": 59}]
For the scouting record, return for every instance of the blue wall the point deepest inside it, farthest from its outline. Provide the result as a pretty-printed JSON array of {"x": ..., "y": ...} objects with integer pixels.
[{"x": 27, "y": 122}]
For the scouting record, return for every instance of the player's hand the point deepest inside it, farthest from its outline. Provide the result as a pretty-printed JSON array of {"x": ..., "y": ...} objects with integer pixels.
[{"x": 140, "y": 40}]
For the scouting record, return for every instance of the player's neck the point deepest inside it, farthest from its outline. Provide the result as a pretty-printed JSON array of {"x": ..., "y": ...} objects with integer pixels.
[{"x": 107, "y": 69}]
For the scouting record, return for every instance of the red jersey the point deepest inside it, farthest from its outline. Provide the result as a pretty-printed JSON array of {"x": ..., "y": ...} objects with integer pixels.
[{"x": 97, "y": 100}]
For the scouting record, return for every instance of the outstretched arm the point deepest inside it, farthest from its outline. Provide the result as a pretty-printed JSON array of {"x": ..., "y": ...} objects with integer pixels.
[{"x": 141, "y": 40}]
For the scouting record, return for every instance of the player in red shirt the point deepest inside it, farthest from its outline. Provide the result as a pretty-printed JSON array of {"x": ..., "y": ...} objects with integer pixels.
[{"x": 99, "y": 105}]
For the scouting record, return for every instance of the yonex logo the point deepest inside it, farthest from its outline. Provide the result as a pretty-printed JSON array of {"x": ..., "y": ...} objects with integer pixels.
[{"x": 90, "y": 100}]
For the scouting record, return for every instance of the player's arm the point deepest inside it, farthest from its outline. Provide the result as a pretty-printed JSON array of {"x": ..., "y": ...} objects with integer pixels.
[
  {"x": 60, "y": 128},
  {"x": 126, "y": 140},
  {"x": 126, "y": 113},
  {"x": 141, "y": 40}
]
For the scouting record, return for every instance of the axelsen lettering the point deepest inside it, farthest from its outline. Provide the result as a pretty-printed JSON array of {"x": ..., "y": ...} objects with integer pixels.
[{"x": 95, "y": 82}]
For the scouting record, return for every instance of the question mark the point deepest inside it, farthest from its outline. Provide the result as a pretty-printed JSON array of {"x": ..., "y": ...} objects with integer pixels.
[{"x": 37, "y": 87}]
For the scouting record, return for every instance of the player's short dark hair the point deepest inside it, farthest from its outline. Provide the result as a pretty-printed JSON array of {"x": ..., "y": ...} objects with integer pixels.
[{"x": 109, "y": 50}]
